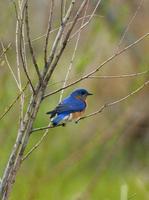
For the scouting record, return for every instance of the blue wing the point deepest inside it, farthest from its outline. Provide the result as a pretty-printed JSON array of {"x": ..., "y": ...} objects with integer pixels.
[{"x": 68, "y": 105}]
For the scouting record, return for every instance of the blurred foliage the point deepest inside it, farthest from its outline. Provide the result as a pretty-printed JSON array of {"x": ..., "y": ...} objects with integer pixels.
[{"x": 102, "y": 156}]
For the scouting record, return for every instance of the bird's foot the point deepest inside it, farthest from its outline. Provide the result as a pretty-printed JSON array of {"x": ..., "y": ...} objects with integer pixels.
[{"x": 63, "y": 124}]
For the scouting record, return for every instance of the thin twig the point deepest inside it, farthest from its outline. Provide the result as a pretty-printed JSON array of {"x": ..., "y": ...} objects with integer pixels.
[
  {"x": 121, "y": 76},
  {"x": 5, "y": 50},
  {"x": 22, "y": 7},
  {"x": 100, "y": 66},
  {"x": 9, "y": 66},
  {"x": 61, "y": 18},
  {"x": 129, "y": 23},
  {"x": 17, "y": 46},
  {"x": 37, "y": 144},
  {"x": 13, "y": 103},
  {"x": 21, "y": 52},
  {"x": 29, "y": 42},
  {"x": 16, "y": 10},
  {"x": 62, "y": 10},
  {"x": 46, "y": 127},
  {"x": 64, "y": 7},
  {"x": 18, "y": 59},
  {"x": 116, "y": 102},
  {"x": 48, "y": 31},
  {"x": 136, "y": 74}
]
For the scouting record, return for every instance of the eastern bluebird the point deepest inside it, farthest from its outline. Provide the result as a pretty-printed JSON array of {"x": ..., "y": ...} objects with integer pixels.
[{"x": 70, "y": 108}]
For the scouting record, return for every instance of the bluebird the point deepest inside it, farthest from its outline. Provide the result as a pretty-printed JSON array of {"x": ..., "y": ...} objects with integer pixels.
[{"x": 70, "y": 108}]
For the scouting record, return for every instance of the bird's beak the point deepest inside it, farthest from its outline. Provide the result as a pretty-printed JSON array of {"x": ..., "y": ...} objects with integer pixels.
[{"x": 89, "y": 93}]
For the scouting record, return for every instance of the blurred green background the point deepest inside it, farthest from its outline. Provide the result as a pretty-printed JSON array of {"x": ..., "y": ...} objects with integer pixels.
[{"x": 103, "y": 157}]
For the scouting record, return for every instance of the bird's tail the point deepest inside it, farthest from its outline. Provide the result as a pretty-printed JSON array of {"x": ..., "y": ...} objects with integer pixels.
[
  {"x": 58, "y": 119},
  {"x": 52, "y": 113}
]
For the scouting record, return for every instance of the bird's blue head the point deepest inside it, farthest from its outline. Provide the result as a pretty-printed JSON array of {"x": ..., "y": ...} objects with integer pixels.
[{"x": 80, "y": 93}]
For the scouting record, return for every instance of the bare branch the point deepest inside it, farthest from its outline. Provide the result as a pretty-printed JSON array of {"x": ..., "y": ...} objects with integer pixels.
[
  {"x": 100, "y": 66},
  {"x": 21, "y": 52},
  {"x": 29, "y": 42},
  {"x": 48, "y": 31},
  {"x": 46, "y": 127},
  {"x": 17, "y": 57},
  {"x": 17, "y": 51},
  {"x": 23, "y": 34}
]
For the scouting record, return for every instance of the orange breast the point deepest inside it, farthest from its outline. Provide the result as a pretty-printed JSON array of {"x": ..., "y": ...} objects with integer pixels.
[{"x": 77, "y": 115}]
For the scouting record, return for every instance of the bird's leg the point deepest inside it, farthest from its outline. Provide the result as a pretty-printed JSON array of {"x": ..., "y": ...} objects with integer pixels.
[{"x": 63, "y": 124}]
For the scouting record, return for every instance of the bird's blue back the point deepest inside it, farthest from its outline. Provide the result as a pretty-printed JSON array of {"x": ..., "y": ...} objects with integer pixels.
[{"x": 70, "y": 105}]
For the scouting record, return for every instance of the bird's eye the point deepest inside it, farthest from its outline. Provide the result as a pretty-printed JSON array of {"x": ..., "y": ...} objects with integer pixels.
[{"x": 82, "y": 93}]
